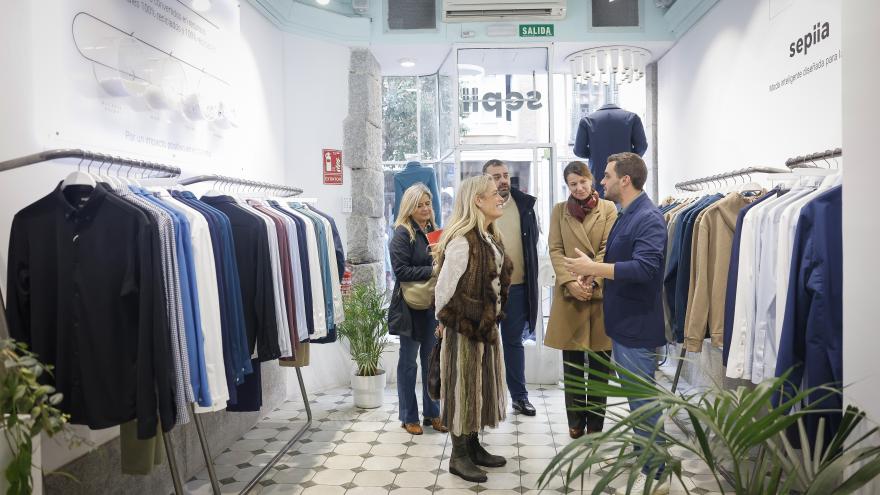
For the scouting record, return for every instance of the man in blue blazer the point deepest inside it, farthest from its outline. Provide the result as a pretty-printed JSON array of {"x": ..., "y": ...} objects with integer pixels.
[
  {"x": 608, "y": 130},
  {"x": 633, "y": 275}
]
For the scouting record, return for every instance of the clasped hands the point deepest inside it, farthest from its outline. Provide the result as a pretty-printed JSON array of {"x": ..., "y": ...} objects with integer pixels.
[{"x": 580, "y": 267}]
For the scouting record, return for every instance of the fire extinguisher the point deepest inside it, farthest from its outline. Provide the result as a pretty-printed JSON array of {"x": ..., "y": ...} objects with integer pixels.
[{"x": 346, "y": 280}]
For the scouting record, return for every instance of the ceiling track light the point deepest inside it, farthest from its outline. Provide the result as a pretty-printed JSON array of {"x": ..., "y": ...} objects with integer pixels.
[{"x": 597, "y": 65}]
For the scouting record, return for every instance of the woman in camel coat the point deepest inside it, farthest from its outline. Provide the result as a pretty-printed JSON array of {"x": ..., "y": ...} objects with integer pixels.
[{"x": 576, "y": 319}]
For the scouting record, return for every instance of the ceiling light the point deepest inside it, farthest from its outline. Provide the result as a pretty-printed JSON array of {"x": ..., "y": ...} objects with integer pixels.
[
  {"x": 323, "y": 2},
  {"x": 627, "y": 63},
  {"x": 407, "y": 62}
]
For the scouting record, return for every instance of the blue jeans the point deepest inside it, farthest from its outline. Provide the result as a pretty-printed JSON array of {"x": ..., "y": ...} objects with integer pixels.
[
  {"x": 512, "y": 338},
  {"x": 418, "y": 346},
  {"x": 641, "y": 362}
]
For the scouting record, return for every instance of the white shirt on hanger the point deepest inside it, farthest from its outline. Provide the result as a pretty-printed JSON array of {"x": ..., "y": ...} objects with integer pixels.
[
  {"x": 765, "y": 297},
  {"x": 209, "y": 304},
  {"x": 739, "y": 361}
]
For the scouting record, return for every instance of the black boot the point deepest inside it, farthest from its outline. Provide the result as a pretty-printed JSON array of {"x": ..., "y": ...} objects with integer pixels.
[
  {"x": 479, "y": 455},
  {"x": 460, "y": 463}
]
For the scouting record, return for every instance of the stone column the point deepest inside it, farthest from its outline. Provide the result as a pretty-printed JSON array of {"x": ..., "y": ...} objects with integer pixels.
[{"x": 362, "y": 148}]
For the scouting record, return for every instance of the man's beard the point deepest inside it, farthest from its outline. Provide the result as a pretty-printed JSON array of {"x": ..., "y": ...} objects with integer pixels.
[{"x": 504, "y": 193}]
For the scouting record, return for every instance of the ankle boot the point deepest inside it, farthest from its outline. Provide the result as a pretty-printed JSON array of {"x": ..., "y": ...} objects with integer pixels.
[
  {"x": 479, "y": 455},
  {"x": 460, "y": 463}
]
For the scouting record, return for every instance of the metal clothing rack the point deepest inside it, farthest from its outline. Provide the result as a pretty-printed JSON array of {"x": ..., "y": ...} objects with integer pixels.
[
  {"x": 806, "y": 161},
  {"x": 284, "y": 191},
  {"x": 811, "y": 160},
  {"x": 695, "y": 184},
  {"x": 105, "y": 159}
]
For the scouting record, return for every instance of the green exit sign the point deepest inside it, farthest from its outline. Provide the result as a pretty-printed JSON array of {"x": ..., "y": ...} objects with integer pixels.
[{"x": 535, "y": 30}]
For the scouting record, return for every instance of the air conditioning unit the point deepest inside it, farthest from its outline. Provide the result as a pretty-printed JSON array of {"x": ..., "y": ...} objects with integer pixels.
[{"x": 501, "y": 10}]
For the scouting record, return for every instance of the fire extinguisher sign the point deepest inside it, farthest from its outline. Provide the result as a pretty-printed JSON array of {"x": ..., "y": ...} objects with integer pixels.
[{"x": 332, "y": 167}]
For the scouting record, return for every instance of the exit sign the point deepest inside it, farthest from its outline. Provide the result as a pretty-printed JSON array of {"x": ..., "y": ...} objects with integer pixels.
[{"x": 535, "y": 30}]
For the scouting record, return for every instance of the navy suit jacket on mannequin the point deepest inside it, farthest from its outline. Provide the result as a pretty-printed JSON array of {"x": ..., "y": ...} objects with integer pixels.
[{"x": 605, "y": 132}]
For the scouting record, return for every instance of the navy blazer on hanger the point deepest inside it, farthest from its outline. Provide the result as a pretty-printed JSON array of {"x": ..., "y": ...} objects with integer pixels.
[{"x": 605, "y": 132}]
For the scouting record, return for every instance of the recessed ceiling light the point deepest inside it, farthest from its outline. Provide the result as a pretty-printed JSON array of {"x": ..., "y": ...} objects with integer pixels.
[
  {"x": 323, "y": 2},
  {"x": 407, "y": 62}
]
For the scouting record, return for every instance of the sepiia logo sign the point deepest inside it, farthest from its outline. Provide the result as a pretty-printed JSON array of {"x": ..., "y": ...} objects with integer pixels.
[
  {"x": 493, "y": 101},
  {"x": 802, "y": 45}
]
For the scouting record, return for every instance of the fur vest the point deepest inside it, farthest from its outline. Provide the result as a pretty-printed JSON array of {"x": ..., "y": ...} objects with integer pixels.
[{"x": 471, "y": 311}]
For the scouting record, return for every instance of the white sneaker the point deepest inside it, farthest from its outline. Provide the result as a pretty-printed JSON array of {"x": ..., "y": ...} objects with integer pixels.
[{"x": 638, "y": 488}]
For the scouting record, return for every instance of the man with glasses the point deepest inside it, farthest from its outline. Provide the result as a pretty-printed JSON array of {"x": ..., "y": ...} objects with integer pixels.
[{"x": 519, "y": 228}]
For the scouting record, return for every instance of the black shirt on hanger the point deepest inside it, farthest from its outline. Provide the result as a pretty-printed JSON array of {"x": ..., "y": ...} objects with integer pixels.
[{"x": 85, "y": 292}]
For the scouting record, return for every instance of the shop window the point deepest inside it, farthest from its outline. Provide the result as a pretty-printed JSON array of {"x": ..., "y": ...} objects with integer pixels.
[{"x": 503, "y": 96}]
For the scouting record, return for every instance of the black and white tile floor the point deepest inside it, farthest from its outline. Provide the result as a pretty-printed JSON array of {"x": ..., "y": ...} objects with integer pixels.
[{"x": 355, "y": 451}]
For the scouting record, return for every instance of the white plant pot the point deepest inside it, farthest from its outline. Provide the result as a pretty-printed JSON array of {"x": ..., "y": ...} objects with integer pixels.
[
  {"x": 36, "y": 464},
  {"x": 368, "y": 390}
]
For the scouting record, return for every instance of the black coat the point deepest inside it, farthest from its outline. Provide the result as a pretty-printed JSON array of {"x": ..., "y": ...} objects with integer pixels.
[
  {"x": 525, "y": 204},
  {"x": 411, "y": 261}
]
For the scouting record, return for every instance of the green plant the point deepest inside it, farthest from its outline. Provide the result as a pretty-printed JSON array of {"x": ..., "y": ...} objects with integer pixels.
[
  {"x": 28, "y": 408},
  {"x": 740, "y": 429},
  {"x": 365, "y": 328}
]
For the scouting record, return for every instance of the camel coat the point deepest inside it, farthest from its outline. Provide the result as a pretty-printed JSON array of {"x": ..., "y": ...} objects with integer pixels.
[{"x": 578, "y": 325}]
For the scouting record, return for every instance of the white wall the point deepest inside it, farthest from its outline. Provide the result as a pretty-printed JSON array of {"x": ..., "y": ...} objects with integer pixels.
[
  {"x": 716, "y": 112},
  {"x": 316, "y": 81},
  {"x": 861, "y": 106}
]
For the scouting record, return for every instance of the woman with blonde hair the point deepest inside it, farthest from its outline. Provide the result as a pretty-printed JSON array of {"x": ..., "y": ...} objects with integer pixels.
[
  {"x": 577, "y": 321},
  {"x": 472, "y": 285},
  {"x": 412, "y": 262}
]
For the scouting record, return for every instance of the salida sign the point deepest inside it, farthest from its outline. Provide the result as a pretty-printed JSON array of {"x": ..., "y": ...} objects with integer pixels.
[{"x": 493, "y": 101}]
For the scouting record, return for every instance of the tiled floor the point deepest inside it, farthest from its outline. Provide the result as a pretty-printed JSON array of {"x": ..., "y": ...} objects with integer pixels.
[{"x": 365, "y": 452}]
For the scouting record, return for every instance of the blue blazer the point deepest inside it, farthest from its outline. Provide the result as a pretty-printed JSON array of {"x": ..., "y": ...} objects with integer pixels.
[
  {"x": 415, "y": 172},
  {"x": 605, "y": 132},
  {"x": 632, "y": 304}
]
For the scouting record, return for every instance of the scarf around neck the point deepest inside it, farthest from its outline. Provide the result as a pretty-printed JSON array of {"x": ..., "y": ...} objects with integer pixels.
[{"x": 581, "y": 208}]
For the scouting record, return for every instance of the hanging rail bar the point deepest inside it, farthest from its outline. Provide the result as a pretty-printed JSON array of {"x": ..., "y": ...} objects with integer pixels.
[
  {"x": 691, "y": 185},
  {"x": 810, "y": 161},
  {"x": 56, "y": 154},
  {"x": 290, "y": 191}
]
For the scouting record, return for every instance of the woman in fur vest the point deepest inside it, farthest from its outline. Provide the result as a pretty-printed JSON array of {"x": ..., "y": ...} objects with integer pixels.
[{"x": 471, "y": 289}]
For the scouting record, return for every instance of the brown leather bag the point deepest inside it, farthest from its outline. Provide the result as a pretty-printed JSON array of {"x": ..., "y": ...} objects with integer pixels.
[{"x": 434, "y": 371}]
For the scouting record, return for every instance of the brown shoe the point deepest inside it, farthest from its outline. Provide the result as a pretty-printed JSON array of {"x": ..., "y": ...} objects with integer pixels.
[
  {"x": 575, "y": 433},
  {"x": 412, "y": 428},
  {"x": 436, "y": 424}
]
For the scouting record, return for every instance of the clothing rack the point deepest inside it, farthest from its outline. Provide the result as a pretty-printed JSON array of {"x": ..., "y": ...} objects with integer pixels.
[
  {"x": 166, "y": 171},
  {"x": 695, "y": 184},
  {"x": 104, "y": 159},
  {"x": 222, "y": 179},
  {"x": 285, "y": 191},
  {"x": 811, "y": 160}
]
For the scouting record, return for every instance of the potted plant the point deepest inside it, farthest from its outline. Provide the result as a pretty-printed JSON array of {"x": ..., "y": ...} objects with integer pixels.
[
  {"x": 742, "y": 431},
  {"x": 366, "y": 330},
  {"x": 28, "y": 407}
]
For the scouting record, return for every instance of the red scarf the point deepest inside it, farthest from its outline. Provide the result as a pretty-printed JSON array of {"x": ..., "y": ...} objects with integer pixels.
[{"x": 581, "y": 208}]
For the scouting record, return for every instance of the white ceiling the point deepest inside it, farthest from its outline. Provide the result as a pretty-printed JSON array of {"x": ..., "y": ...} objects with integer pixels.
[{"x": 429, "y": 57}]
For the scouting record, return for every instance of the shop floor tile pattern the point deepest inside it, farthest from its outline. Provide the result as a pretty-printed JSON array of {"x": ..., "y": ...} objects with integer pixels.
[{"x": 351, "y": 451}]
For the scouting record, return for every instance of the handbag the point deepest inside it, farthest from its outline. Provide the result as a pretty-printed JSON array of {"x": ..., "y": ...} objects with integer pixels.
[
  {"x": 419, "y": 295},
  {"x": 399, "y": 317},
  {"x": 434, "y": 371}
]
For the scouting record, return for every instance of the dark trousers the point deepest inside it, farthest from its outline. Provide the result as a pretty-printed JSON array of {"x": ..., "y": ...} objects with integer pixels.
[
  {"x": 511, "y": 337},
  {"x": 578, "y": 397},
  {"x": 418, "y": 346}
]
